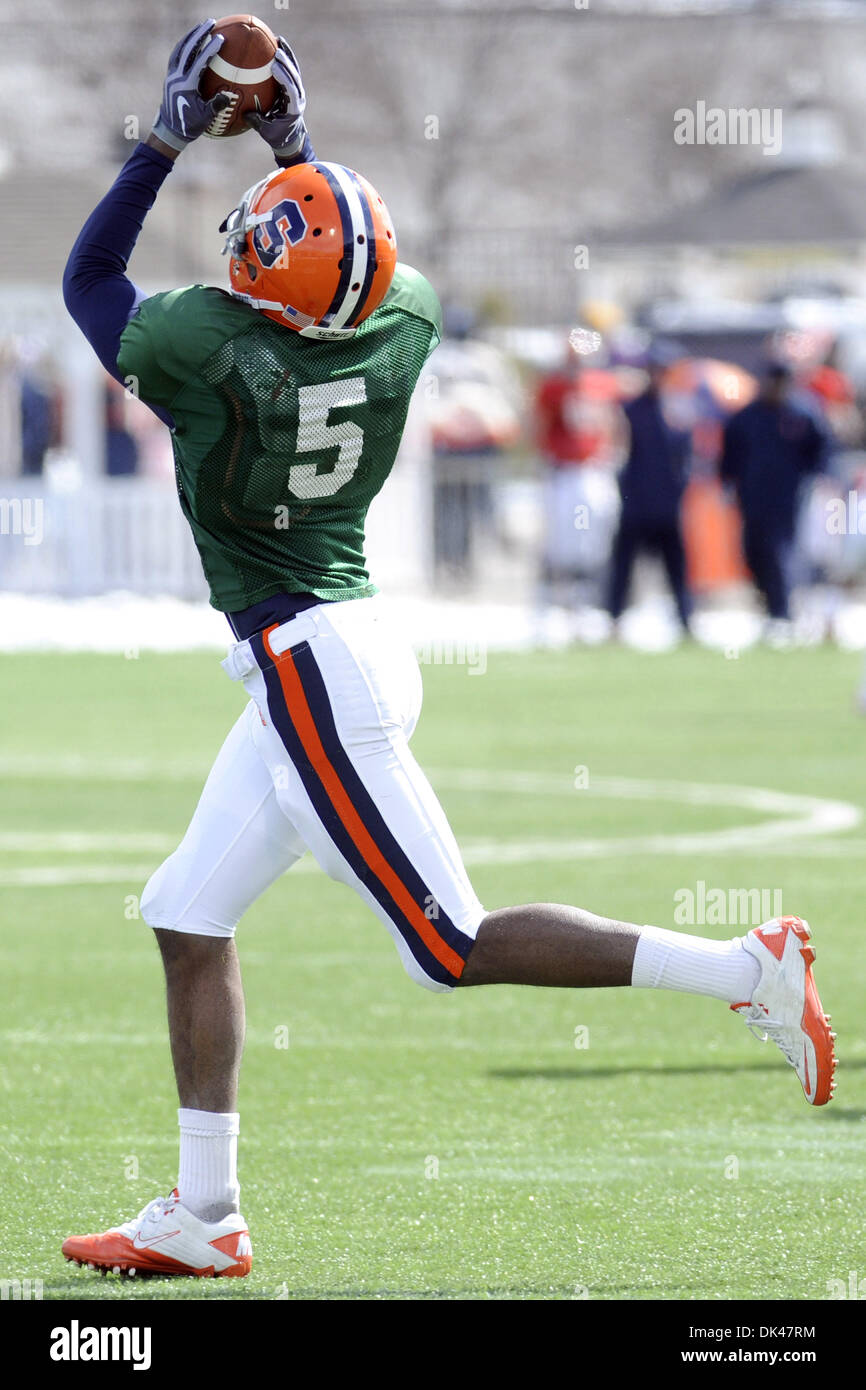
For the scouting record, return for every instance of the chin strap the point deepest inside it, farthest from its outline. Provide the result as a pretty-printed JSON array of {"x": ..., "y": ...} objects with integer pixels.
[{"x": 294, "y": 318}]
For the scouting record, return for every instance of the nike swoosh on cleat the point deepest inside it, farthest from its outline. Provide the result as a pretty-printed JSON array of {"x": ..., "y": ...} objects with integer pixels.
[{"x": 143, "y": 1244}]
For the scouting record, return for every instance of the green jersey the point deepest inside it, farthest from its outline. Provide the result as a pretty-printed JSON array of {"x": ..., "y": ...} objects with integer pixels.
[{"x": 280, "y": 442}]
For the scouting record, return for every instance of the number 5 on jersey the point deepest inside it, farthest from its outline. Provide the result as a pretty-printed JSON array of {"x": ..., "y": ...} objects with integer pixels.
[{"x": 315, "y": 404}]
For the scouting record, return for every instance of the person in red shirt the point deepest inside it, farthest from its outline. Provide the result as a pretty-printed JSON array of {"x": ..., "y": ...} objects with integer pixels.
[
  {"x": 579, "y": 435},
  {"x": 837, "y": 399},
  {"x": 573, "y": 419}
]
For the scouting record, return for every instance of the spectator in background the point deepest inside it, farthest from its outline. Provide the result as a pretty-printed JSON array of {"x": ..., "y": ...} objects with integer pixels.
[
  {"x": 836, "y": 398},
  {"x": 472, "y": 396},
  {"x": 770, "y": 447},
  {"x": 579, "y": 438},
  {"x": 30, "y": 406},
  {"x": 37, "y": 424},
  {"x": 121, "y": 447},
  {"x": 651, "y": 484}
]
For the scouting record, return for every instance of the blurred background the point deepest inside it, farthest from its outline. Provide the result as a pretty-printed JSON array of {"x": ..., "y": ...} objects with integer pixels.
[{"x": 646, "y": 417}]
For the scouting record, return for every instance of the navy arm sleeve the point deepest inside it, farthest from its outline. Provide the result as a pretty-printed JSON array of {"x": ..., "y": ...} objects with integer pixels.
[{"x": 96, "y": 290}]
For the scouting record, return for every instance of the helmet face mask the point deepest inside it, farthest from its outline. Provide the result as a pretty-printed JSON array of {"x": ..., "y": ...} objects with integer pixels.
[
  {"x": 313, "y": 248},
  {"x": 236, "y": 223}
]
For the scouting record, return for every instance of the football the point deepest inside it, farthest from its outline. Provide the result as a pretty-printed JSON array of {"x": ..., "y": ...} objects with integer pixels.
[{"x": 242, "y": 69}]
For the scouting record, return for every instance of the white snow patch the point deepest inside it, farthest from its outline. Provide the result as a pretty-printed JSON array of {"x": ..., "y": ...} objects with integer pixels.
[{"x": 126, "y": 622}]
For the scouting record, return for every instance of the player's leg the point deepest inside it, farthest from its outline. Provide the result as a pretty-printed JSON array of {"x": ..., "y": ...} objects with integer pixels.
[
  {"x": 765, "y": 976},
  {"x": 565, "y": 947},
  {"x": 237, "y": 843},
  {"x": 205, "y": 1006}
]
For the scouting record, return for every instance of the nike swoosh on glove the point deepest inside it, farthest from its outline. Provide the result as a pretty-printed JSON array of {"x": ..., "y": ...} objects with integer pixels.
[{"x": 184, "y": 114}]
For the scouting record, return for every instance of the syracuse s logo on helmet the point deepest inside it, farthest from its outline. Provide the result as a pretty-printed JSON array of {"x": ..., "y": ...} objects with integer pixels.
[{"x": 284, "y": 226}]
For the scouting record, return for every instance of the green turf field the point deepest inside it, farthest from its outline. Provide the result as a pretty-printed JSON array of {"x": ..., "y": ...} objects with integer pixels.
[{"x": 414, "y": 1146}]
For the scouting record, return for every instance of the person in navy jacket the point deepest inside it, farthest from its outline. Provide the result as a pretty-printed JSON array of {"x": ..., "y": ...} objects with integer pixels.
[
  {"x": 652, "y": 483},
  {"x": 770, "y": 447}
]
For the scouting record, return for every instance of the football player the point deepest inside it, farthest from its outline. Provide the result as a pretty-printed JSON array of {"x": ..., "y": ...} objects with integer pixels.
[{"x": 286, "y": 396}]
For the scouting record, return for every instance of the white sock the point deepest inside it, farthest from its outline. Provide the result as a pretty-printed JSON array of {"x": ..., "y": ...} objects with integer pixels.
[
  {"x": 207, "y": 1182},
  {"x": 672, "y": 960}
]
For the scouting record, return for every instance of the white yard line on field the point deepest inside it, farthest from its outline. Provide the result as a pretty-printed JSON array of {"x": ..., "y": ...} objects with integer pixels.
[
  {"x": 84, "y": 841},
  {"x": 76, "y": 767},
  {"x": 792, "y": 827}
]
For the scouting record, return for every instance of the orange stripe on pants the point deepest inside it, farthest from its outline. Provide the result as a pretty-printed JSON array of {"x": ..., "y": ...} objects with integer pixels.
[{"x": 302, "y": 718}]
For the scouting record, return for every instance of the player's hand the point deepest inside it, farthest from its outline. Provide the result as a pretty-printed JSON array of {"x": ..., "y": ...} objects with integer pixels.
[
  {"x": 283, "y": 126},
  {"x": 184, "y": 113}
]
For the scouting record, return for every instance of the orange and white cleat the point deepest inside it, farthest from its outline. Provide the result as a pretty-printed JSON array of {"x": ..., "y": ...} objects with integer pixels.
[
  {"x": 785, "y": 1004},
  {"x": 165, "y": 1238}
]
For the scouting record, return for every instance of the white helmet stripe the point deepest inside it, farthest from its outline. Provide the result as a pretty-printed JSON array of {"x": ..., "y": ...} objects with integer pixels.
[{"x": 360, "y": 249}]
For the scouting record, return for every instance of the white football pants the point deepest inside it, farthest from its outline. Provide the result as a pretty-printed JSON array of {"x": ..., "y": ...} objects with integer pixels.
[{"x": 320, "y": 760}]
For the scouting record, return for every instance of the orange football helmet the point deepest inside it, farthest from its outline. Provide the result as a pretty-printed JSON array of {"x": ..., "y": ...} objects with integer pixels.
[{"x": 313, "y": 247}]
